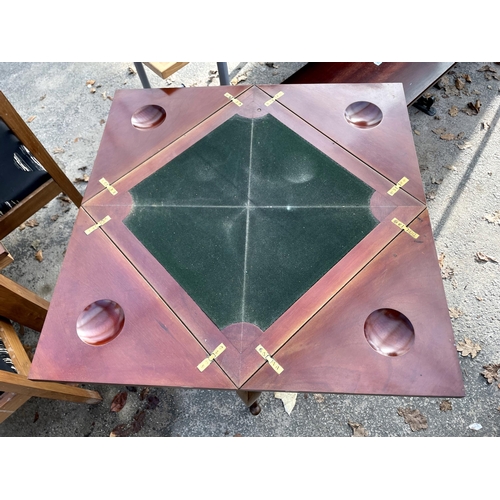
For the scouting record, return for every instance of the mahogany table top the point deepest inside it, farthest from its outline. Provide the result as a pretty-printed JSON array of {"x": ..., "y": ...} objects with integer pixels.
[{"x": 269, "y": 237}]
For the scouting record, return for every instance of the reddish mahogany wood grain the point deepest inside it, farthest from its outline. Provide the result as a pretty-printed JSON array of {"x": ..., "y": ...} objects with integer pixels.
[
  {"x": 388, "y": 148},
  {"x": 416, "y": 77},
  {"x": 331, "y": 354},
  {"x": 124, "y": 146},
  {"x": 153, "y": 347}
]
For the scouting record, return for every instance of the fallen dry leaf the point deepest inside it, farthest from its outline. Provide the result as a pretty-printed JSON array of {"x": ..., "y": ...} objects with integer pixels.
[
  {"x": 31, "y": 223},
  {"x": 30, "y": 119},
  {"x": 125, "y": 430},
  {"x": 64, "y": 198},
  {"x": 447, "y": 273},
  {"x": 455, "y": 312},
  {"x": 453, "y": 111},
  {"x": 445, "y": 405},
  {"x": 468, "y": 78},
  {"x": 447, "y": 137},
  {"x": 357, "y": 429},
  {"x": 482, "y": 257},
  {"x": 39, "y": 256},
  {"x": 475, "y": 106},
  {"x": 22, "y": 227},
  {"x": 493, "y": 218},
  {"x": 441, "y": 258},
  {"x": 465, "y": 145},
  {"x": 413, "y": 418},
  {"x": 239, "y": 78},
  {"x": 467, "y": 347},
  {"x": 319, "y": 398},
  {"x": 450, "y": 167},
  {"x": 490, "y": 373},
  {"x": 90, "y": 82},
  {"x": 58, "y": 150},
  {"x": 83, "y": 178},
  {"x": 153, "y": 402},
  {"x": 143, "y": 394},
  {"x": 54, "y": 217},
  {"x": 459, "y": 84},
  {"x": 488, "y": 68},
  {"x": 119, "y": 401},
  {"x": 439, "y": 131},
  {"x": 35, "y": 244},
  {"x": 131, "y": 70},
  {"x": 289, "y": 399}
]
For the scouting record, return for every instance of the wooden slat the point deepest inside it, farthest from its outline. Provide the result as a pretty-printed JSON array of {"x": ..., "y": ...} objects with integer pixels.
[
  {"x": 165, "y": 69},
  {"x": 14, "y": 347},
  {"x": 22, "y": 305},
  {"x": 5, "y": 257},
  {"x": 28, "y": 138},
  {"x": 27, "y": 207},
  {"x": 9, "y": 403}
]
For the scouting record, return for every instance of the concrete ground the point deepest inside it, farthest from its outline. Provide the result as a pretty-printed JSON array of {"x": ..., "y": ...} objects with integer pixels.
[{"x": 459, "y": 157}]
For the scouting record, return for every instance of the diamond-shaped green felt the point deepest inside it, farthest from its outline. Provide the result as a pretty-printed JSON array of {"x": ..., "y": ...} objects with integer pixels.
[{"x": 249, "y": 218}]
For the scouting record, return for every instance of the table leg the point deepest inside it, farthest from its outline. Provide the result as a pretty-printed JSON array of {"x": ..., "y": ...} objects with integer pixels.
[
  {"x": 142, "y": 75},
  {"x": 250, "y": 400}
]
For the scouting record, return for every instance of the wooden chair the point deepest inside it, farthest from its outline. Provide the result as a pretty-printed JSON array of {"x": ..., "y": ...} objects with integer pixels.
[
  {"x": 25, "y": 307},
  {"x": 5, "y": 257},
  {"x": 29, "y": 176}
]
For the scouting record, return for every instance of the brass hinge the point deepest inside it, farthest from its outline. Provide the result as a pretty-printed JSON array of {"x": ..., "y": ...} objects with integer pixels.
[
  {"x": 219, "y": 349},
  {"x": 99, "y": 224},
  {"x": 108, "y": 186},
  {"x": 405, "y": 228},
  {"x": 274, "y": 364},
  {"x": 396, "y": 188},
  {"x": 277, "y": 96},
  {"x": 230, "y": 97}
]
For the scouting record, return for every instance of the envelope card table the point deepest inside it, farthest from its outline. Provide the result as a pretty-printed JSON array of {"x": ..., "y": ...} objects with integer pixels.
[{"x": 270, "y": 238}]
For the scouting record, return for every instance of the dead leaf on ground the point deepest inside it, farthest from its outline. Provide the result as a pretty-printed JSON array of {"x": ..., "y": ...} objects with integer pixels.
[
  {"x": 30, "y": 119},
  {"x": 58, "y": 150},
  {"x": 441, "y": 258},
  {"x": 289, "y": 399},
  {"x": 439, "y": 131},
  {"x": 468, "y": 348},
  {"x": 467, "y": 78},
  {"x": 357, "y": 429},
  {"x": 83, "y": 178},
  {"x": 445, "y": 405},
  {"x": 119, "y": 401},
  {"x": 482, "y": 257},
  {"x": 35, "y": 244},
  {"x": 31, "y": 223},
  {"x": 153, "y": 402},
  {"x": 487, "y": 68},
  {"x": 90, "y": 82},
  {"x": 416, "y": 132},
  {"x": 239, "y": 78},
  {"x": 465, "y": 145},
  {"x": 64, "y": 198},
  {"x": 459, "y": 83},
  {"x": 35, "y": 418},
  {"x": 319, "y": 398},
  {"x": 131, "y": 70},
  {"x": 453, "y": 111},
  {"x": 447, "y": 273},
  {"x": 490, "y": 373},
  {"x": 493, "y": 218},
  {"x": 413, "y": 418},
  {"x": 455, "y": 312},
  {"x": 475, "y": 106},
  {"x": 450, "y": 167},
  {"x": 125, "y": 430},
  {"x": 39, "y": 256},
  {"x": 54, "y": 217},
  {"x": 447, "y": 137}
]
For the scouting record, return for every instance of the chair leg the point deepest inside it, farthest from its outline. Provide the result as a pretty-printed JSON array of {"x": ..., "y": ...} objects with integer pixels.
[
  {"x": 9, "y": 403},
  {"x": 22, "y": 305}
]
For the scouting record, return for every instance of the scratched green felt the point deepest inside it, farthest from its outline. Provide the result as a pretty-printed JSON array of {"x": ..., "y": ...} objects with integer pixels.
[{"x": 249, "y": 218}]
